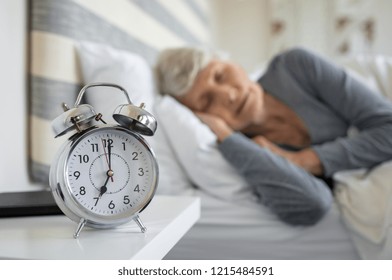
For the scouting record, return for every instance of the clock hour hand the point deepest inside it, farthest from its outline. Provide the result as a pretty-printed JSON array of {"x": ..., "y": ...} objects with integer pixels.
[{"x": 104, "y": 189}]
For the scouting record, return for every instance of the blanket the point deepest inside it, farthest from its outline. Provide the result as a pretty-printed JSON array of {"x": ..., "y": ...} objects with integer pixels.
[
  {"x": 365, "y": 196},
  {"x": 365, "y": 201}
]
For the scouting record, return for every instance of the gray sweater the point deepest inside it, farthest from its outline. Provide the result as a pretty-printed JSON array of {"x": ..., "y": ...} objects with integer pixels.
[{"x": 329, "y": 102}]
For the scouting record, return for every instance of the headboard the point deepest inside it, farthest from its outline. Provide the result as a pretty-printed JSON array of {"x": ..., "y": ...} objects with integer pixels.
[{"x": 140, "y": 26}]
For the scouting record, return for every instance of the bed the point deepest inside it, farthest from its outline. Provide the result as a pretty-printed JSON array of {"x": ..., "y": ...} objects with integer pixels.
[{"x": 74, "y": 42}]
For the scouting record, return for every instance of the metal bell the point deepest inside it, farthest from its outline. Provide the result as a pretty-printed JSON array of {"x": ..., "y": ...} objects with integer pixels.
[
  {"x": 73, "y": 119},
  {"x": 135, "y": 118},
  {"x": 127, "y": 115}
]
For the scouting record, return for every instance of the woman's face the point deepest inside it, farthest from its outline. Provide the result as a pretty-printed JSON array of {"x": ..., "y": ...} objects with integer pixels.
[{"x": 223, "y": 89}]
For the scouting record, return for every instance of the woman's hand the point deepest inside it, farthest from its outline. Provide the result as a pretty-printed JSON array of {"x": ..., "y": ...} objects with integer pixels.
[
  {"x": 306, "y": 158},
  {"x": 216, "y": 124}
]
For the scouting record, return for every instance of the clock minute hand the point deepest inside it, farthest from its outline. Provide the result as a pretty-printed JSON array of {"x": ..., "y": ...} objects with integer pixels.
[{"x": 110, "y": 156}]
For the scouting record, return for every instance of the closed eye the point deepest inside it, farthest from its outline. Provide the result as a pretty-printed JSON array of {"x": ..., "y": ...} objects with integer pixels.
[
  {"x": 219, "y": 76},
  {"x": 204, "y": 102}
]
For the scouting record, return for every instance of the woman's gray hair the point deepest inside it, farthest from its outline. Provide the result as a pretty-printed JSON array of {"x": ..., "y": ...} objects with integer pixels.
[{"x": 177, "y": 68}]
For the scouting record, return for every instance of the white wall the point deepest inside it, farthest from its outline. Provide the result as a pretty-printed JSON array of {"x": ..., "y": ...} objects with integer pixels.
[
  {"x": 242, "y": 27},
  {"x": 383, "y": 43},
  {"x": 13, "y": 81}
]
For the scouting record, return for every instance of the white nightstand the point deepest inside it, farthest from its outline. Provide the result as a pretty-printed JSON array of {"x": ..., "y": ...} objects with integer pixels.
[{"x": 167, "y": 219}]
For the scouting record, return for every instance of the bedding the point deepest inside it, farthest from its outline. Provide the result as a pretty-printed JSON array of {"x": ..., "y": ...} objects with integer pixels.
[
  {"x": 364, "y": 197},
  {"x": 231, "y": 231},
  {"x": 365, "y": 201},
  {"x": 195, "y": 148},
  {"x": 233, "y": 224}
]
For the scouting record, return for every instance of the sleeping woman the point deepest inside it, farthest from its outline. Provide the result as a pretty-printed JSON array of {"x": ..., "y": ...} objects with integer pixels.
[{"x": 287, "y": 133}]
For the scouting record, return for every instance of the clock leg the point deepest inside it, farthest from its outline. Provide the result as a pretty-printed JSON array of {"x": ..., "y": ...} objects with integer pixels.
[
  {"x": 140, "y": 223},
  {"x": 81, "y": 224}
]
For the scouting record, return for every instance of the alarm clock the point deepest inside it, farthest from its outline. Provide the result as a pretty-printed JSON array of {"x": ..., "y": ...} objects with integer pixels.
[{"x": 104, "y": 175}]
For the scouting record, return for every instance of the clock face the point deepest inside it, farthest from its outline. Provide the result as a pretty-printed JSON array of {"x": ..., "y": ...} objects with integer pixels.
[{"x": 111, "y": 172}]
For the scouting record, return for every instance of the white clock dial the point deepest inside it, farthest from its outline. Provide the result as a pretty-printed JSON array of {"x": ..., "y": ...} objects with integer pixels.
[{"x": 111, "y": 172}]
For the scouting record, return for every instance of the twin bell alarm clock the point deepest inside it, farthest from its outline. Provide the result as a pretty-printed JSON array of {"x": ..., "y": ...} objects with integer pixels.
[{"x": 104, "y": 175}]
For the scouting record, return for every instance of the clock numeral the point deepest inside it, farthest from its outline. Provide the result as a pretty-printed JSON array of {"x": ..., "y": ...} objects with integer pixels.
[
  {"x": 141, "y": 172},
  {"x": 82, "y": 190},
  {"x": 108, "y": 142},
  {"x": 123, "y": 143},
  {"x": 94, "y": 147},
  {"x": 111, "y": 205},
  {"x": 135, "y": 156},
  {"x": 76, "y": 174},
  {"x": 96, "y": 200},
  {"x": 83, "y": 158},
  {"x": 127, "y": 200},
  {"x": 136, "y": 189}
]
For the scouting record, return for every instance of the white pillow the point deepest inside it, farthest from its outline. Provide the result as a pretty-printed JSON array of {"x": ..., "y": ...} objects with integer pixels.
[
  {"x": 102, "y": 63},
  {"x": 195, "y": 146},
  {"x": 374, "y": 71}
]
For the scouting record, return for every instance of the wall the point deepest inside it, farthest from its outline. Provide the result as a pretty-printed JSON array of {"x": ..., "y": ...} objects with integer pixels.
[
  {"x": 383, "y": 43},
  {"x": 239, "y": 27},
  {"x": 13, "y": 81},
  {"x": 244, "y": 28}
]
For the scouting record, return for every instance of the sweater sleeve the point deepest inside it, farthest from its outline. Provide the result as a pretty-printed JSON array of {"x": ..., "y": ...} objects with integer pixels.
[
  {"x": 295, "y": 195},
  {"x": 353, "y": 102}
]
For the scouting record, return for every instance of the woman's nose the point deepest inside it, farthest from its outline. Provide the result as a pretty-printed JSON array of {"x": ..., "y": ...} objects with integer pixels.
[
  {"x": 227, "y": 95},
  {"x": 233, "y": 94}
]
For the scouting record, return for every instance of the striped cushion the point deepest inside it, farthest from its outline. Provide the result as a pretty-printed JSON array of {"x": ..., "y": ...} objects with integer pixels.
[{"x": 140, "y": 26}]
